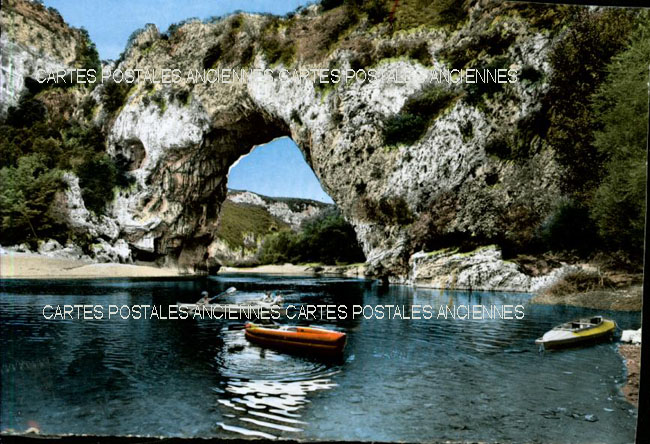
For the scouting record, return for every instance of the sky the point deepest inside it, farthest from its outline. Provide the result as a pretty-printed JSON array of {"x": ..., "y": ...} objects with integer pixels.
[
  {"x": 276, "y": 169},
  {"x": 111, "y": 22}
]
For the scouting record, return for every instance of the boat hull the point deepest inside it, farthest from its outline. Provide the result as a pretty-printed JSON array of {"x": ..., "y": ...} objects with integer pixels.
[
  {"x": 307, "y": 340},
  {"x": 559, "y": 338}
]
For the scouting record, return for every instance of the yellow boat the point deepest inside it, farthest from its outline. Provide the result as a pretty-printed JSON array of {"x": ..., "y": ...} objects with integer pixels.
[{"x": 578, "y": 332}]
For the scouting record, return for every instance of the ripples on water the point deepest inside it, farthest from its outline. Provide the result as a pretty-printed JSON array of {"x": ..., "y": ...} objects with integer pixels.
[
  {"x": 398, "y": 380},
  {"x": 266, "y": 389}
]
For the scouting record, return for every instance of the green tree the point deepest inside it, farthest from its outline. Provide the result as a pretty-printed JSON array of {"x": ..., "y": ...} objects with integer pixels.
[
  {"x": 579, "y": 60},
  {"x": 26, "y": 194},
  {"x": 97, "y": 177},
  {"x": 326, "y": 238},
  {"x": 621, "y": 105}
]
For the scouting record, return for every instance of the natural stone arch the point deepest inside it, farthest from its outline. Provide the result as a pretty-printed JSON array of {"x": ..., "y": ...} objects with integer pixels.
[{"x": 193, "y": 132}]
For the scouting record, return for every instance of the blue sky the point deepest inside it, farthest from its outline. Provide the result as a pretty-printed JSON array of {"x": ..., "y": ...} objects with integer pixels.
[
  {"x": 275, "y": 169},
  {"x": 111, "y": 22}
]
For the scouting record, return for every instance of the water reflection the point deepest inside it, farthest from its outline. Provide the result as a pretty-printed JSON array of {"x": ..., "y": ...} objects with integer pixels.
[
  {"x": 474, "y": 380},
  {"x": 266, "y": 390}
]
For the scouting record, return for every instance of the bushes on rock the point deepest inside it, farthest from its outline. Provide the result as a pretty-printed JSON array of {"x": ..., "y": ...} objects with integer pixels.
[
  {"x": 387, "y": 211},
  {"x": 97, "y": 178},
  {"x": 35, "y": 149},
  {"x": 114, "y": 95},
  {"x": 410, "y": 124},
  {"x": 569, "y": 227}
]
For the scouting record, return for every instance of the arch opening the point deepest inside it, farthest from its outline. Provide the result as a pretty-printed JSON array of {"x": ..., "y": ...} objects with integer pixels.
[{"x": 276, "y": 212}]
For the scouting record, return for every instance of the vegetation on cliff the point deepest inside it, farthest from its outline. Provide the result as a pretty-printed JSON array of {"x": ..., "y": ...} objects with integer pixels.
[
  {"x": 239, "y": 221},
  {"x": 37, "y": 144},
  {"x": 604, "y": 58}
]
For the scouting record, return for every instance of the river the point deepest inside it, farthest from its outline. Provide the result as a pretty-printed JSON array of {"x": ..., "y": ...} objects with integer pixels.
[{"x": 398, "y": 380}]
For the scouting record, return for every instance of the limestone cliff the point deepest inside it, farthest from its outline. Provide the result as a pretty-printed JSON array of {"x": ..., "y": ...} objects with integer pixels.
[
  {"x": 181, "y": 139},
  {"x": 34, "y": 39}
]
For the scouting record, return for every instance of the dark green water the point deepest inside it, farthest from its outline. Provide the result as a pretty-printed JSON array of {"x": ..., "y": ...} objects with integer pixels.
[{"x": 406, "y": 380}]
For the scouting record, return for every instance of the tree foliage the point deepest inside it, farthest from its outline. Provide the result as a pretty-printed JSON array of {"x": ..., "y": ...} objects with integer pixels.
[
  {"x": 35, "y": 150},
  {"x": 579, "y": 61},
  {"x": 621, "y": 106},
  {"x": 26, "y": 193},
  {"x": 326, "y": 238}
]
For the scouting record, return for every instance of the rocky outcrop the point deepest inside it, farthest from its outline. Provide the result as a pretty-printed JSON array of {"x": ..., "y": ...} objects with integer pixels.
[
  {"x": 482, "y": 269},
  {"x": 182, "y": 138},
  {"x": 182, "y": 180},
  {"x": 34, "y": 40}
]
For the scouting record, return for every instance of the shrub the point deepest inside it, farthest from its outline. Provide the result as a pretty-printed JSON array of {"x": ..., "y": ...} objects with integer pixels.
[
  {"x": 97, "y": 177},
  {"x": 280, "y": 248},
  {"x": 387, "y": 211},
  {"x": 28, "y": 112},
  {"x": 212, "y": 56},
  {"x": 377, "y": 11},
  {"x": 448, "y": 12},
  {"x": 325, "y": 238},
  {"x": 326, "y": 5},
  {"x": 410, "y": 124},
  {"x": 330, "y": 239},
  {"x": 404, "y": 128},
  {"x": 26, "y": 198},
  {"x": 569, "y": 228},
  {"x": 86, "y": 54},
  {"x": 114, "y": 95},
  {"x": 580, "y": 282},
  {"x": 277, "y": 50},
  {"x": 476, "y": 93}
]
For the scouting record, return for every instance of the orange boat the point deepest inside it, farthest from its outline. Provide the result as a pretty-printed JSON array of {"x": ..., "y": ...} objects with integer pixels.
[{"x": 317, "y": 341}]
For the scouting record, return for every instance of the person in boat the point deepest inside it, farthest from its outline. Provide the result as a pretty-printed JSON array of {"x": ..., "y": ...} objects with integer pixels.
[
  {"x": 205, "y": 298},
  {"x": 272, "y": 298}
]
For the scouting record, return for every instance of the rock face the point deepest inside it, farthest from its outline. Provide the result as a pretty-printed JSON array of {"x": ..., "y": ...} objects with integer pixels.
[
  {"x": 483, "y": 269},
  {"x": 182, "y": 138},
  {"x": 34, "y": 39}
]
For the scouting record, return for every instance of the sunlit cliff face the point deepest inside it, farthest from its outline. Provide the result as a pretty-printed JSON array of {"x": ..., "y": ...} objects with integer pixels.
[{"x": 181, "y": 138}]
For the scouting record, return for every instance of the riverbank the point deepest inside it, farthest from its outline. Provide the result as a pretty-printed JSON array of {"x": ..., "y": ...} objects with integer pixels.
[
  {"x": 36, "y": 266},
  {"x": 631, "y": 353},
  {"x": 352, "y": 270}
]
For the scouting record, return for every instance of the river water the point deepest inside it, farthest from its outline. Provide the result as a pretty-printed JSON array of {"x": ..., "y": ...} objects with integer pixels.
[{"x": 398, "y": 380}]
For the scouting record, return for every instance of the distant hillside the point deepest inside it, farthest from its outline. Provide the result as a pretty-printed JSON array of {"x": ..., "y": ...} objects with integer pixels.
[
  {"x": 290, "y": 210},
  {"x": 246, "y": 217}
]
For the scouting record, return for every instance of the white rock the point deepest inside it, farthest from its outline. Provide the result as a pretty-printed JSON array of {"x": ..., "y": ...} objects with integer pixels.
[
  {"x": 49, "y": 246},
  {"x": 482, "y": 269},
  {"x": 631, "y": 336},
  {"x": 105, "y": 252},
  {"x": 78, "y": 217}
]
